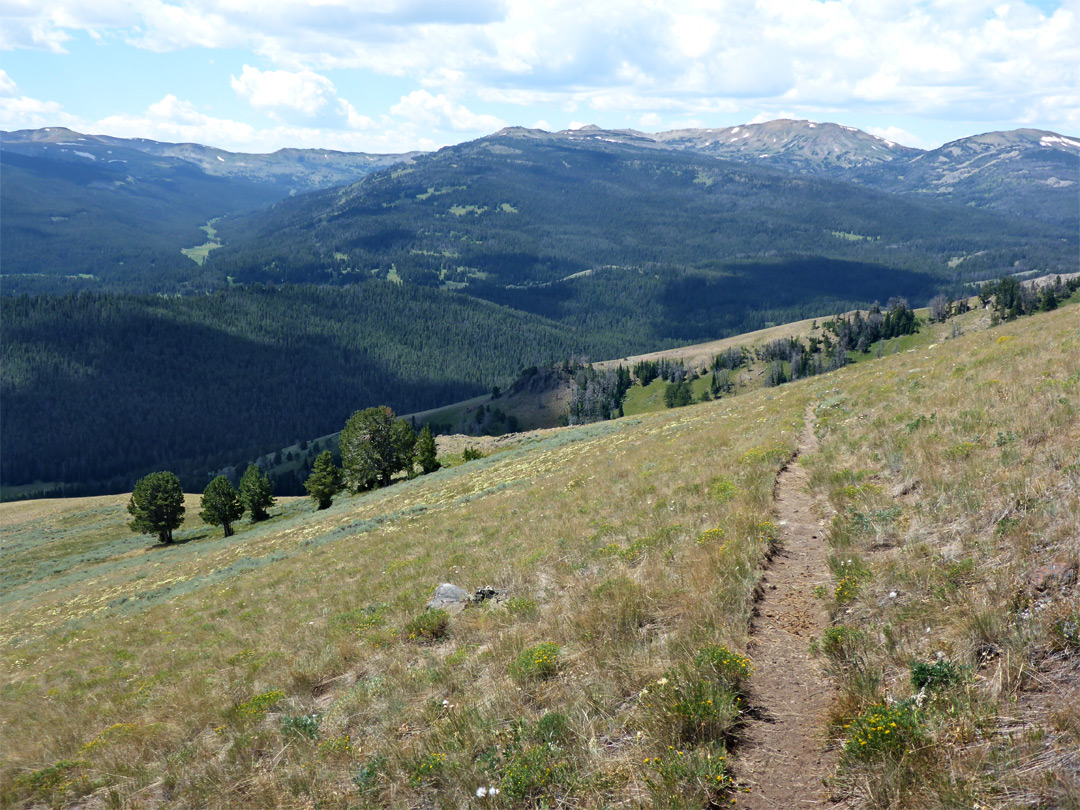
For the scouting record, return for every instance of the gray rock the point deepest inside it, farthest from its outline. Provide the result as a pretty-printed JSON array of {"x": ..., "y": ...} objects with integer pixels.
[
  {"x": 450, "y": 598},
  {"x": 485, "y": 592}
]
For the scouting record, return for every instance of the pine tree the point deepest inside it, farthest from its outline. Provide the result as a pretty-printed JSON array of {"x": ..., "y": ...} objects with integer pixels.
[
  {"x": 221, "y": 505},
  {"x": 157, "y": 505},
  {"x": 374, "y": 446},
  {"x": 256, "y": 493},
  {"x": 325, "y": 480},
  {"x": 426, "y": 451}
]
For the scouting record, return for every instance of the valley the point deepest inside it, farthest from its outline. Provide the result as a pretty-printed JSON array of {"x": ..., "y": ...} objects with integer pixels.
[{"x": 582, "y": 244}]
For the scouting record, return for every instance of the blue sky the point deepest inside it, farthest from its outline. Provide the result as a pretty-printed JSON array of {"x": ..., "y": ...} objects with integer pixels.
[{"x": 394, "y": 75}]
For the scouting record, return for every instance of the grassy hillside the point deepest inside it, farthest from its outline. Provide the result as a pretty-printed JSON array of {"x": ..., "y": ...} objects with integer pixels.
[{"x": 288, "y": 666}]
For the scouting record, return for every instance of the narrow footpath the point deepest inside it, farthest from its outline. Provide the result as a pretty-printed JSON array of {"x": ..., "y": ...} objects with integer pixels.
[{"x": 785, "y": 756}]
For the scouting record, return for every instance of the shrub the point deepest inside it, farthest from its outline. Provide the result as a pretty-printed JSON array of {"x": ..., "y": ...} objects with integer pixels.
[
  {"x": 700, "y": 703},
  {"x": 931, "y": 676},
  {"x": 700, "y": 776},
  {"x": 722, "y": 489},
  {"x": 536, "y": 663},
  {"x": 430, "y": 626},
  {"x": 301, "y": 725},
  {"x": 471, "y": 454},
  {"x": 1065, "y": 633},
  {"x": 552, "y": 728},
  {"x": 259, "y": 705},
  {"x": 367, "y": 775},
  {"x": 769, "y": 533},
  {"x": 840, "y": 645},
  {"x": 710, "y": 536},
  {"x": 537, "y": 768},
  {"x": 521, "y": 608},
  {"x": 340, "y": 746},
  {"x": 427, "y": 770},
  {"x": 884, "y": 732},
  {"x": 726, "y": 667},
  {"x": 53, "y": 782},
  {"x": 850, "y": 574}
]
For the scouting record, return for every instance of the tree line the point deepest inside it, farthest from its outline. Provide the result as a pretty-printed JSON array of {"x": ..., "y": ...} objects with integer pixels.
[{"x": 375, "y": 446}]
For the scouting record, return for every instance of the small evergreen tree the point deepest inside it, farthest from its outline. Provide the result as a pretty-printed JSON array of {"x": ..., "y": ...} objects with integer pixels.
[
  {"x": 256, "y": 493},
  {"x": 427, "y": 452},
  {"x": 157, "y": 505},
  {"x": 325, "y": 480},
  {"x": 374, "y": 446},
  {"x": 678, "y": 394},
  {"x": 221, "y": 505}
]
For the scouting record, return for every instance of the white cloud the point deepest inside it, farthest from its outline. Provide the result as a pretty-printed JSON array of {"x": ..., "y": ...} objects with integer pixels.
[
  {"x": 7, "y": 85},
  {"x": 172, "y": 119},
  {"x": 437, "y": 112},
  {"x": 900, "y": 136},
  {"x": 650, "y": 121},
  {"x": 22, "y": 112},
  {"x": 176, "y": 120},
  {"x": 971, "y": 60},
  {"x": 303, "y": 92},
  {"x": 353, "y": 119}
]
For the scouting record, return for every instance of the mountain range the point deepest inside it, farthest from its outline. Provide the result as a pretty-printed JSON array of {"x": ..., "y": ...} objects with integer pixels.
[
  {"x": 989, "y": 171},
  {"x": 97, "y": 212}
]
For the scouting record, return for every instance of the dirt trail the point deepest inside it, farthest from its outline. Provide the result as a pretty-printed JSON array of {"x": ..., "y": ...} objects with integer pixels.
[{"x": 785, "y": 757}]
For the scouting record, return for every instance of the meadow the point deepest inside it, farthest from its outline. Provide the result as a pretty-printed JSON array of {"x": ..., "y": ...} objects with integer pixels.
[{"x": 294, "y": 665}]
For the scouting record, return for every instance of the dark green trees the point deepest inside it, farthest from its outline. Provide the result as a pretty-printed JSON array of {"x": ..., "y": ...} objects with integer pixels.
[
  {"x": 256, "y": 493},
  {"x": 157, "y": 505},
  {"x": 374, "y": 446},
  {"x": 325, "y": 480},
  {"x": 678, "y": 394},
  {"x": 427, "y": 452},
  {"x": 221, "y": 505}
]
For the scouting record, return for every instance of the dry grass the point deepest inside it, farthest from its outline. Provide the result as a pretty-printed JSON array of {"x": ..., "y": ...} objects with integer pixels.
[
  {"x": 955, "y": 472},
  {"x": 273, "y": 669}
]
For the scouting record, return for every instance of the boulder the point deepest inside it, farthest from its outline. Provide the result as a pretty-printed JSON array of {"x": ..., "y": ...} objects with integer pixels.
[
  {"x": 450, "y": 598},
  {"x": 1052, "y": 576}
]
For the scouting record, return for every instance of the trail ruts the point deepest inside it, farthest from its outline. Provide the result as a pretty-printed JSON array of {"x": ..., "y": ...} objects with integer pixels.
[{"x": 784, "y": 755}]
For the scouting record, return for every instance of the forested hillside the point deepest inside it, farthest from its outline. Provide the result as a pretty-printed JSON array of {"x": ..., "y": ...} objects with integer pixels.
[
  {"x": 97, "y": 389},
  {"x": 101, "y": 213},
  {"x": 519, "y": 210}
]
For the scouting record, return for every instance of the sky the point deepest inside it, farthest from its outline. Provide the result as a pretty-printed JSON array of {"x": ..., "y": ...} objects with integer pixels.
[{"x": 397, "y": 75}]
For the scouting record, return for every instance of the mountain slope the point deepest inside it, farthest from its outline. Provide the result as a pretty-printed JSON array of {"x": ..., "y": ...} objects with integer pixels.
[
  {"x": 110, "y": 213},
  {"x": 97, "y": 389},
  {"x": 802, "y": 146},
  {"x": 291, "y": 171},
  {"x": 1027, "y": 173},
  {"x": 294, "y": 663},
  {"x": 515, "y": 215}
]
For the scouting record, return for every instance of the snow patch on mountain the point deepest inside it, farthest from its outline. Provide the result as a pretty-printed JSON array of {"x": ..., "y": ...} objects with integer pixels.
[{"x": 1051, "y": 140}]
